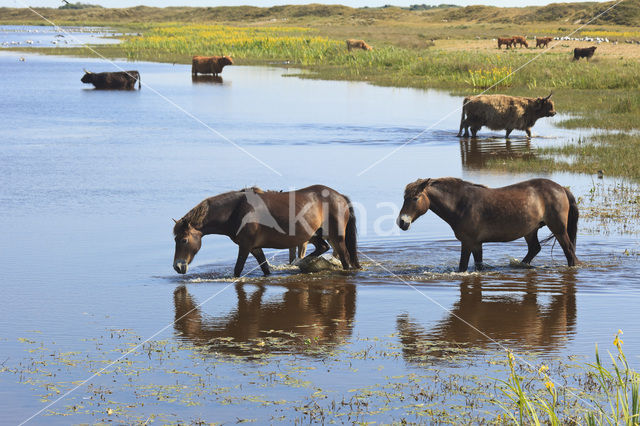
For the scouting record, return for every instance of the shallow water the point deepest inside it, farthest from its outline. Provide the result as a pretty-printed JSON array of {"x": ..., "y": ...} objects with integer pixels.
[
  {"x": 50, "y": 36},
  {"x": 91, "y": 179}
]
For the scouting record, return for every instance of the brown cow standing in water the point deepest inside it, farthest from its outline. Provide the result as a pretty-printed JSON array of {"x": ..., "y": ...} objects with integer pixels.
[
  {"x": 499, "y": 112},
  {"x": 209, "y": 64},
  {"x": 586, "y": 52},
  {"x": 357, "y": 44},
  {"x": 112, "y": 80},
  {"x": 543, "y": 41},
  {"x": 508, "y": 41}
]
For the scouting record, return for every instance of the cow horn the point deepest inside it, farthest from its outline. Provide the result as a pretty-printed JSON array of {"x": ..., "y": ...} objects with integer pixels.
[
  {"x": 85, "y": 70},
  {"x": 548, "y": 96},
  {"x": 174, "y": 221}
]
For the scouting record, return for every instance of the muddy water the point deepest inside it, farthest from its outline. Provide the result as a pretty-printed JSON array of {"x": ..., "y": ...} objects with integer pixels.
[{"x": 90, "y": 181}]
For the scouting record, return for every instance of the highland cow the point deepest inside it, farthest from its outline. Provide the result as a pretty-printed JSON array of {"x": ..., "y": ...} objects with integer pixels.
[{"x": 499, "y": 112}]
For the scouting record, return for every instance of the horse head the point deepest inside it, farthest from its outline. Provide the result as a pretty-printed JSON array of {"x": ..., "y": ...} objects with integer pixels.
[
  {"x": 188, "y": 242},
  {"x": 416, "y": 203}
]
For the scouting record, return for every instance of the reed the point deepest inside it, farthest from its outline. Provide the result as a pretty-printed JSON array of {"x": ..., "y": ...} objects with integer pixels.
[{"x": 612, "y": 397}]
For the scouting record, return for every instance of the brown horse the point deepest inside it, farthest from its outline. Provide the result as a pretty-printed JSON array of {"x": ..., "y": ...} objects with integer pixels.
[
  {"x": 256, "y": 219},
  {"x": 478, "y": 214}
]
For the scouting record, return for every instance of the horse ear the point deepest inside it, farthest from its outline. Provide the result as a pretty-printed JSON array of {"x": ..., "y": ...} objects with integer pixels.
[{"x": 424, "y": 184}]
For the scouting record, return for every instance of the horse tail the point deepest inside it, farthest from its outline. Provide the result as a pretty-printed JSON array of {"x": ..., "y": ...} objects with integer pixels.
[
  {"x": 351, "y": 237},
  {"x": 572, "y": 221}
]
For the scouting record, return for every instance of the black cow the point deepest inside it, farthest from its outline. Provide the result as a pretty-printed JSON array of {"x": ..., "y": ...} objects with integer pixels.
[
  {"x": 113, "y": 80},
  {"x": 586, "y": 52}
]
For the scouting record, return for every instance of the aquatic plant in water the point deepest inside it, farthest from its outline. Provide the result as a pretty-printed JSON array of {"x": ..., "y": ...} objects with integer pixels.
[{"x": 614, "y": 399}]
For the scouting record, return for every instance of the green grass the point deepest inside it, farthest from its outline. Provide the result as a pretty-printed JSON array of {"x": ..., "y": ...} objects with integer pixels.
[
  {"x": 617, "y": 154},
  {"x": 386, "y": 65},
  {"x": 612, "y": 397}
]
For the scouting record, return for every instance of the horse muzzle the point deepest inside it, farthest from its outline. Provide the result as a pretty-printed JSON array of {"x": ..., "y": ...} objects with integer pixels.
[
  {"x": 180, "y": 266},
  {"x": 404, "y": 222}
]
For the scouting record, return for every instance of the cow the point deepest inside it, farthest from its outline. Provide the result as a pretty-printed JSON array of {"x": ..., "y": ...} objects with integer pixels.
[
  {"x": 209, "y": 64},
  {"x": 543, "y": 41},
  {"x": 521, "y": 40},
  {"x": 357, "y": 44},
  {"x": 586, "y": 52},
  {"x": 112, "y": 80},
  {"x": 499, "y": 112},
  {"x": 508, "y": 41}
]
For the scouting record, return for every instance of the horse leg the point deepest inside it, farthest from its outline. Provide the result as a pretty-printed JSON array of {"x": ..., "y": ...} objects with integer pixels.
[
  {"x": 320, "y": 245},
  {"x": 340, "y": 248},
  {"x": 302, "y": 250},
  {"x": 243, "y": 253},
  {"x": 534, "y": 246},
  {"x": 464, "y": 259},
  {"x": 559, "y": 229},
  {"x": 262, "y": 260},
  {"x": 477, "y": 257},
  {"x": 568, "y": 248}
]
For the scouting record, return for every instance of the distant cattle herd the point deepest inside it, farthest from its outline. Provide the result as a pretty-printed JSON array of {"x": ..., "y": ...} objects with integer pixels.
[{"x": 578, "y": 52}]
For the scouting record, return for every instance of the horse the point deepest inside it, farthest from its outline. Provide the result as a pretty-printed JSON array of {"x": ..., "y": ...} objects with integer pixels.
[
  {"x": 478, "y": 214},
  {"x": 255, "y": 219}
]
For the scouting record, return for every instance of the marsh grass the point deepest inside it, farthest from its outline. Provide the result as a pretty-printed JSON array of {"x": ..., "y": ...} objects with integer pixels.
[
  {"x": 255, "y": 43},
  {"x": 617, "y": 154},
  {"x": 388, "y": 65},
  {"x": 611, "y": 397}
]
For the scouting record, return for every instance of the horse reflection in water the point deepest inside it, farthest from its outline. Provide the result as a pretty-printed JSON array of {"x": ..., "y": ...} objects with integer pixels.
[
  {"x": 475, "y": 153},
  {"x": 479, "y": 322},
  {"x": 307, "y": 314},
  {"x": 204, "y": 78}
]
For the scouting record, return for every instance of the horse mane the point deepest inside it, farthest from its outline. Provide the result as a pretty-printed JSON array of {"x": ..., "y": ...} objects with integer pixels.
[
  {"x": 451, "y": 181},
  {"x": 197, "y": 215},
  {"x": 415, "y": 188},
  {"x": 255, "y": 189}
]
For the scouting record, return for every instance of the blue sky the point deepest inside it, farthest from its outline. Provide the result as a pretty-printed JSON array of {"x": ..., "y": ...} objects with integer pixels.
[{"x": 357, "y": 3}]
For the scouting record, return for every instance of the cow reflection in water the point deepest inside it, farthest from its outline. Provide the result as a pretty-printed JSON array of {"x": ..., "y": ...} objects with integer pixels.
[
  {"x": 206, "y": 78},
  {"x": 316, "y": 314},
  {"x": 476, "y": 153},
  {"x": 521, "y": 321}
]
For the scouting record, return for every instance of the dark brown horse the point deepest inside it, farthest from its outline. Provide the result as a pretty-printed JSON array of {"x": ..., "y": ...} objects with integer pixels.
[
  {"x": 478, "y": 214},
  {"x": 255, "y": 219}
]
